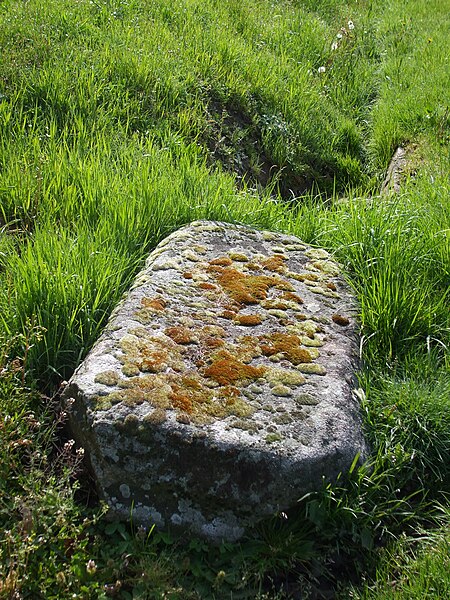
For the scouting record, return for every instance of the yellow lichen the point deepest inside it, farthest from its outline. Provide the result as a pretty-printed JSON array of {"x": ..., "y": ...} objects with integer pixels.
[
  {"x": 245, "y": 289},
  {"x": 221, "y": 261},
  {"x": 274, "y": 263},
  {"x": 227, "y": 370},
  {"x": 238, "y": 256},
  {"x": 284, "y": 376},
  {"x": 107, "y": 378},
  {"x": 312, "y": 369},
  {"x": 289, "y": 346},
  {"x": 157, "y": 304},
  {"x": 290, "y": 296},
  {"x": 248, "y": 320},
  {"x": 181, "y": 335}
]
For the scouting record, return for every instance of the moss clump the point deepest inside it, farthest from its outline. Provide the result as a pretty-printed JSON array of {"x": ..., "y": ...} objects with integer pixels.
[
  {"x": 205, "y": 285},
  {"x": 292, "y": 297},
  {"x": 157, "y": 304},
  {"x": 327, "y": 266},
  {"x": 107, "y": 378},
  {"x": 312, "y": 369},
  {"x": 150, "y": 354},
  {"x": 304, "y": 276},
  {"x": 238, "y": 256},
  {"x": 317, "y": 253},
  {"x": 275, "y": 304},
  {"x": 221, "y": 261},
  {"x": 287, "y": 377},
  {"x": 341, "y": 320},
  {"x": 244, "y": 425},
  {"x": 246, "y": 349},
  {"x": 248, "y": 320},
  {"x": 157, "y": 417},
  {"x": 289, "y": 346},
  {"x": 226, "y": 369},
  {"x": 281, "y": 390},
  {"x": 251, "y": 266},
  {"x": 306, "y": 400},
  {"x": 181, "y": 335},
  {"x": 214, "y": 330},
  {"x": 228, "y": 314},
  {"x": 274, "y": 263},
  {"x": 213, "y": 342},
  {"x": 245, "y": 289},
  {"x": 271, "y": 438}
]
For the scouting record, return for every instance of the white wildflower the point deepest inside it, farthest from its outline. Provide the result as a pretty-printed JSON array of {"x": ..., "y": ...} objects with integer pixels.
[
  {"x": 321, "y": 70},
  {"x": 339, "y": 36},
  {"x": 351, "y": 25},
  {"x": 91, "y": 567},
  {"x": 334, "y": 46},
  {"x": 69, "y": 445}
]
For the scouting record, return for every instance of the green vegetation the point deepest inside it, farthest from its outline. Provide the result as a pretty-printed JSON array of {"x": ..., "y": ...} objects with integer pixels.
[{"x": 122, "y": 120}]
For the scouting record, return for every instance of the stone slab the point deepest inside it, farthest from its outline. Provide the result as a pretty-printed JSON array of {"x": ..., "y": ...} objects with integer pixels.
[{"x": 221, "y": 390}]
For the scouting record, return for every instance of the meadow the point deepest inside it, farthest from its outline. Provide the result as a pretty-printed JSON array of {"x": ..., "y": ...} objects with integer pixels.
[{"x": 120, "y": 121}]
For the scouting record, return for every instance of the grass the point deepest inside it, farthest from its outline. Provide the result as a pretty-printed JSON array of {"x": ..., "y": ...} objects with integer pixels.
[{"x": 122, "y": 120}]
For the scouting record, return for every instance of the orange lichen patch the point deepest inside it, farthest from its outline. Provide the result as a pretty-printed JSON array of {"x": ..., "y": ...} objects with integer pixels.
[
  {"x": 109, "y": 378},
  {"x": 327, "y": 266},
  {"x": 253, "y": 266},
  {"x": 341, "y": 320},
  {"x": 273, "y": 263},
  {"x": 212, "y": 342},
  {"x": 181, "y": 401},
  {"x": 222, "y": 261},
  {"x": 204, "y": 285},
  {"x": 215, "y": 330},
  {"x": 245, "y": 289},
  {"x": 181, "y": 335},
  {"x": 187, "y": 275},
  {"x": 228, "y": 314},
  {"x": 152, "y": 354},
  {"x": 275, "y": 304},
  {"x": 226, "y": 369},
  {"x": 290, "y": 346},
  {"x": 331, "y": 286},
  {"x": 238, "y": 256},
  {"x": 248, "y": 320},
  {"x": 285, "y": 285},
  {"x": 155, "y": 303},
  {"x": 230, "y": 392},
  {"x": 154, "y": 362},
  {"x": 246, "y": 349},
  {"x": 292, "y": 297},
  {"x": 304, "y": 276},
  {"x": 191, "y": 381}
]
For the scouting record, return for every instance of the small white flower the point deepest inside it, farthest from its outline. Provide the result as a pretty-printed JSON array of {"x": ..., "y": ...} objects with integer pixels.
[
  {"x": 339, "y": 36},
  {"x": 351, "y": 25},
  {"x": 321, "y": 70},
  {"x": 69, "y": 445},
  {"x": 334, "y": 46},
  {"x": 91, "y": 567}
]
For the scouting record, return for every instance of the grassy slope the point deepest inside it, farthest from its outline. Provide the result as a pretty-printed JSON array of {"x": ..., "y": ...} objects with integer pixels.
[{"x": 122, "y": 120}]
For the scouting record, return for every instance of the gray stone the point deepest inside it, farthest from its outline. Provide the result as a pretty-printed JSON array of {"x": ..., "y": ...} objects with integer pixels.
[{"x": 221, "y": 390}]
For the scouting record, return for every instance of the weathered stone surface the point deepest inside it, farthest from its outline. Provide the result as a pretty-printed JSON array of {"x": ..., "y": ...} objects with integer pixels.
[{"x": 221, "y": 390}]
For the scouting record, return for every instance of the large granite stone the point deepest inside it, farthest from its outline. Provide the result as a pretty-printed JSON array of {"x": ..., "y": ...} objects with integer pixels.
[{"x": 221, "y": 390}]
